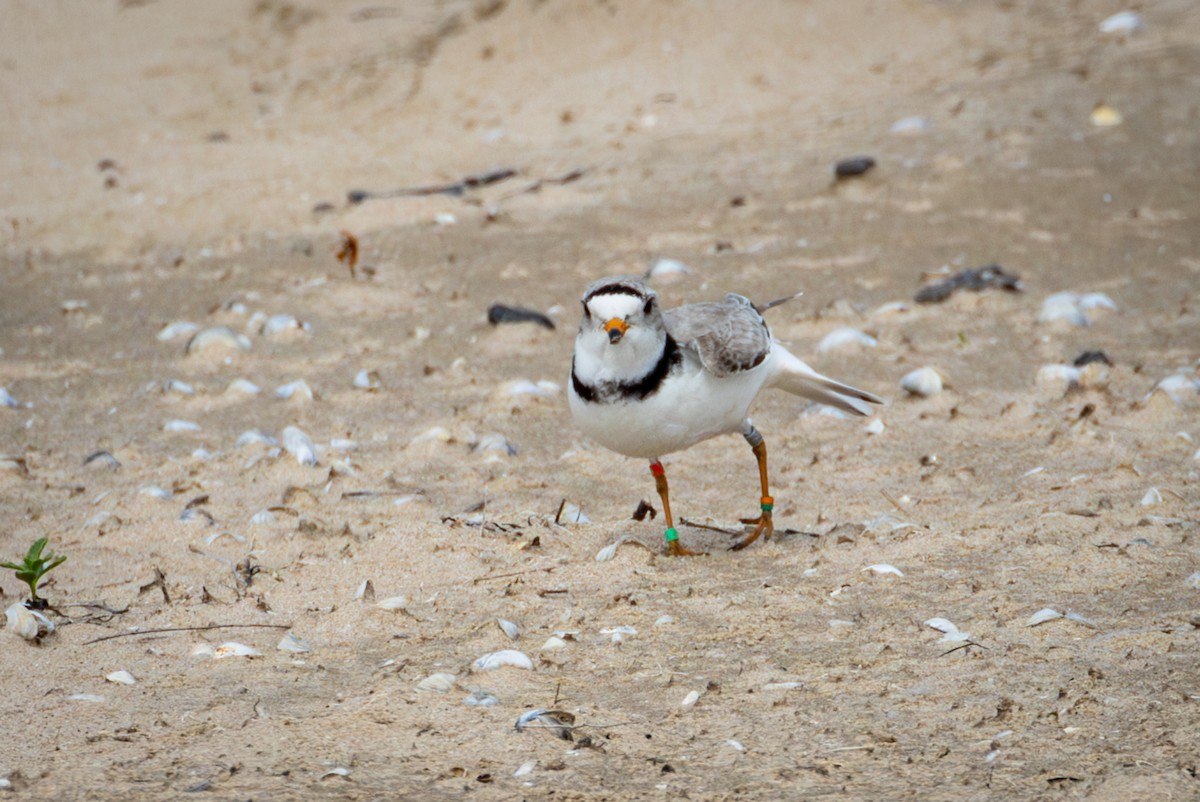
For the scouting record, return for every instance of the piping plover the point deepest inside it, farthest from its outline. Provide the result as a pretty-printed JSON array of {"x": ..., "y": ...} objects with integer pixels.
[{"x": 646, "y": 382}]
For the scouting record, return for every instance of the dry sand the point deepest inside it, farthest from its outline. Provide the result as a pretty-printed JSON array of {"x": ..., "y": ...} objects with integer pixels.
[{"x": 162, "y": 163}]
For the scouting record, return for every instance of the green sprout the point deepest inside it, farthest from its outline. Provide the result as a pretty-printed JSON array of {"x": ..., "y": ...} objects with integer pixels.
[{"x": 34, "y": 567}]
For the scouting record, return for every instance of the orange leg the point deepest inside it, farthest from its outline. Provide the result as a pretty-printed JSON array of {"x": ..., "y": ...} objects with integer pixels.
[
  {"x": 674, "y": 548},
  {"x": 764, "y": 526}
]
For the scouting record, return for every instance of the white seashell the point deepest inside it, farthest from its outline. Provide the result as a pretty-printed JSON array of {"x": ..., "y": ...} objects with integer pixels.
[
  {"x": 891, "y": 308},
  {"x": 85, "y": 697},
  {"x": 255, "y": 436},
  {"x": 735, "y": 745},
  {"x": 608, "y": 552},
  {"x": 121, "y": 678},
  {"x": 181, "y": 426},
  {"x": 342, "y": 444},
  {"x": 290, "y": 643},
  {"x": 541, "y": 389},
  {"x": 217, "y": 337},
  {"x": 156, "y": 492},
  {"x": 505, "y": 657},
  {"x": 690, "y": 700},
  {"x": 243, "y": 386},
  {"x": 876, "y": 426},
  {"x": 1123, "y": 22},
  {"x": 1042, "y": 616},
  {"x": 509, "y": 628},
  {"x": 282, "y": 324},
  {"x": 1105, "y": 116},
  {"x": 1193, "y": 581},
  {"x": 227, "y": 649},
  {"x": 494, "y": 443},
  {"x": 1096, "y": 300},
  {"x": 1152, "y": 497},
  {"x": 618, "y": 633},
  {"x": 667, "y": 267},
  {"x": 883, "y": 569},
  {"x": 202, "y": 454},
  {"x": 300, "y": 446},
  {"x": 298, "y": 389},
  {"x": 177, "y": 329},
  {"x": 480, "y": 699},
  {"x": 1058, "y": 378},
  {"x": 365, "y": 591},
  {"x": 553, "y": 643},
  {"x": 1179, "y": 387},
  {"x": 782, "y": 686},
  {"x": 950, "y": 632},
  {"x": 840, "y": 338},
  {"x": 923, "y": 382},
  {"x": 525, "y": 768},
  {"x": 336, "y": 772},
  {"x": 436, "y": 434},
  {"x": 445, "y": 219},
  {"x": 29, "y": 624},
  {"x": 392, "y": 603},
  {"x": 262, "y": 518},
  {"x": 1062, "y": 306},
  {"x": 911, "y": 125},
  {"x": 663, "y": 620},
  {"x": 573, "y": 515},
  {"x": 367, "y": 380},
  {"x": 6, "y": 399},
  {"x": 177, "y": 387}
]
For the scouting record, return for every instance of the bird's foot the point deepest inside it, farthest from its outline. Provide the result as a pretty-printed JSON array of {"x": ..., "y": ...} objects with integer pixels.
[
  {"x": 764, "y": 527},
  {"x": 677, "y": 549}
]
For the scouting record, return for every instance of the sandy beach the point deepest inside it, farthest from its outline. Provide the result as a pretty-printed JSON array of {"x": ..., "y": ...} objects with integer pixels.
[{"x": 992, "y": 592}]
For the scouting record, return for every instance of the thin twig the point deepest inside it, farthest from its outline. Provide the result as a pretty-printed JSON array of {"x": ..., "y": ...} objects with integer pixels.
[
  {"x": 185, "y": 629},
  {"x": 966, "y": 645}
]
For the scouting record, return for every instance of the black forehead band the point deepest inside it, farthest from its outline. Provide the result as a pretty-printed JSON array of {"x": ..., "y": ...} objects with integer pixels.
[{"x": 616, "y": 289}]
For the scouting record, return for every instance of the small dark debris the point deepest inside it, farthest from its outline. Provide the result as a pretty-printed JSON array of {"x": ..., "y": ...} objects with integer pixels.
[
  {"x": 197, "y": 501},
  {"x": 106, "y": 164},
  {"x": 738, "y": 201},
  {"x": 1088, "y": 357},
  {"x": 974, "y": 279},
  {"x": 499, "y": 313},
  {"x": 104, "y": 458},
  {"x": 348, "y": 254},
  {"x": 456, "y": 189},
  {"x": 218, "y": 136},
  {"x": 856, "y": 166},
  {"x": 644, "y": 509},
  {"x": 324, "y": 207}
]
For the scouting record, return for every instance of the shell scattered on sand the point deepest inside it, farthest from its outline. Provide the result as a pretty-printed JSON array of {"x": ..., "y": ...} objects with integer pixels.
[
  {"x": 1123, "y": 22},
  {"x": 227, "y": 649},
  {"x": 845, "y": 337},
  {"x": 950, "y": 632},
  {"x": 884, "y": 569},
  {"x": 922, "y": 382},
  {"x": 298, "y": 389},
  {"x": 121, "y": 678},
  {"x": 437, "y": 683},
  {"x": 299, "y": 445},
  {"x": 511, "y": 630},
  {"x": 217, "y": 337},
  {"x": 392, "y": 603},
  {"x": 32, "y": 625},
  {"x": 502, "y": 658},
  {"x": 1073, "y": 307}
]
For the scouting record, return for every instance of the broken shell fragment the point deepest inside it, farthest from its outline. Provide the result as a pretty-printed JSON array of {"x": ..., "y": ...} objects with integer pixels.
[
  {"x": 181, "y": 426},
  {"x": 1105, "y": 116},
  {"x": 290, "y": 643},
  {"x": 667, "y": 267},
  {"x": 1058, "y": 379},
  {"x": 509, "y": 628},
  {"x": 553, "y": 644},
  {"x": 242, "y": 387},
  {"x": 560, "y": 723},
  {"x": 437, "y": 683},
  {"x": 480, "y": 699},
  {"x": 32, "y": 625},
  {"x": 367, "y": 380},
  {"x": 217, "y": 337},
  {"x": 298, "y": 389},
  {"x": 253, "y": 436},
  {"x": 883, "y": 569},
  {"x": 619, "y": 633},
  {"x": 177, "y": 329},
  {"x": 1123, "y": 22},
  {"x": 505, "y": 657},
  {"x": 392, "y": 603},
  {"x": 845, "y": 336},
  {"x": 6, "y": 399},
  {"x": 300, "y": 446},
  {"x": 121, "y": 678},
  {"x": 1042, "y": 616},
  {"x": 277, "y": 325},
  {"x": 1152, "y": 497},
  {"x": 951, "y": 633},
  {"x": 690, "y": 700},
  {"x": 227, "y": 649},
  {"x": 923, "y": 382}
]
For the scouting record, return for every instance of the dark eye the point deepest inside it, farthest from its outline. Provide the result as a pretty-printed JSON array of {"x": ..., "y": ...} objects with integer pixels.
[{"x": 649, "y": 306}]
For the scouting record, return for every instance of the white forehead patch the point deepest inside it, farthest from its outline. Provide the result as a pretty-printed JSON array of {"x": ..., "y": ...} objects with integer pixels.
[{"x": 606, "y": 307}]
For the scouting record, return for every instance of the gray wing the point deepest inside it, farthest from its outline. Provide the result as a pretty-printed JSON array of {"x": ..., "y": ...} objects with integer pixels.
[{"x": 729, "y": 336}]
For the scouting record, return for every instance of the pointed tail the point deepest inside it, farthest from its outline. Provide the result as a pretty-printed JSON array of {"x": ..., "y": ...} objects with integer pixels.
[{"x": 798, "y": 378}]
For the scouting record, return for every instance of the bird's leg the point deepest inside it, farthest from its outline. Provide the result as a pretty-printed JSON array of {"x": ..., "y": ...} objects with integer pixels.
[
  {"x": 764, "y": 526},
  {"x": 674, "y": 548}
]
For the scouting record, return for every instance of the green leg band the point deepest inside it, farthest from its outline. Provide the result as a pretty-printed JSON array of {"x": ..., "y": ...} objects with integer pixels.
[
  {"x": 671, "y": 535},
  {"x": 768, "y": 507}
]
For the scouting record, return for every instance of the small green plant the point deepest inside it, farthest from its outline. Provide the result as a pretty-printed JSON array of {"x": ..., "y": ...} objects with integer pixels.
[{"x": 34, "y": 567}]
